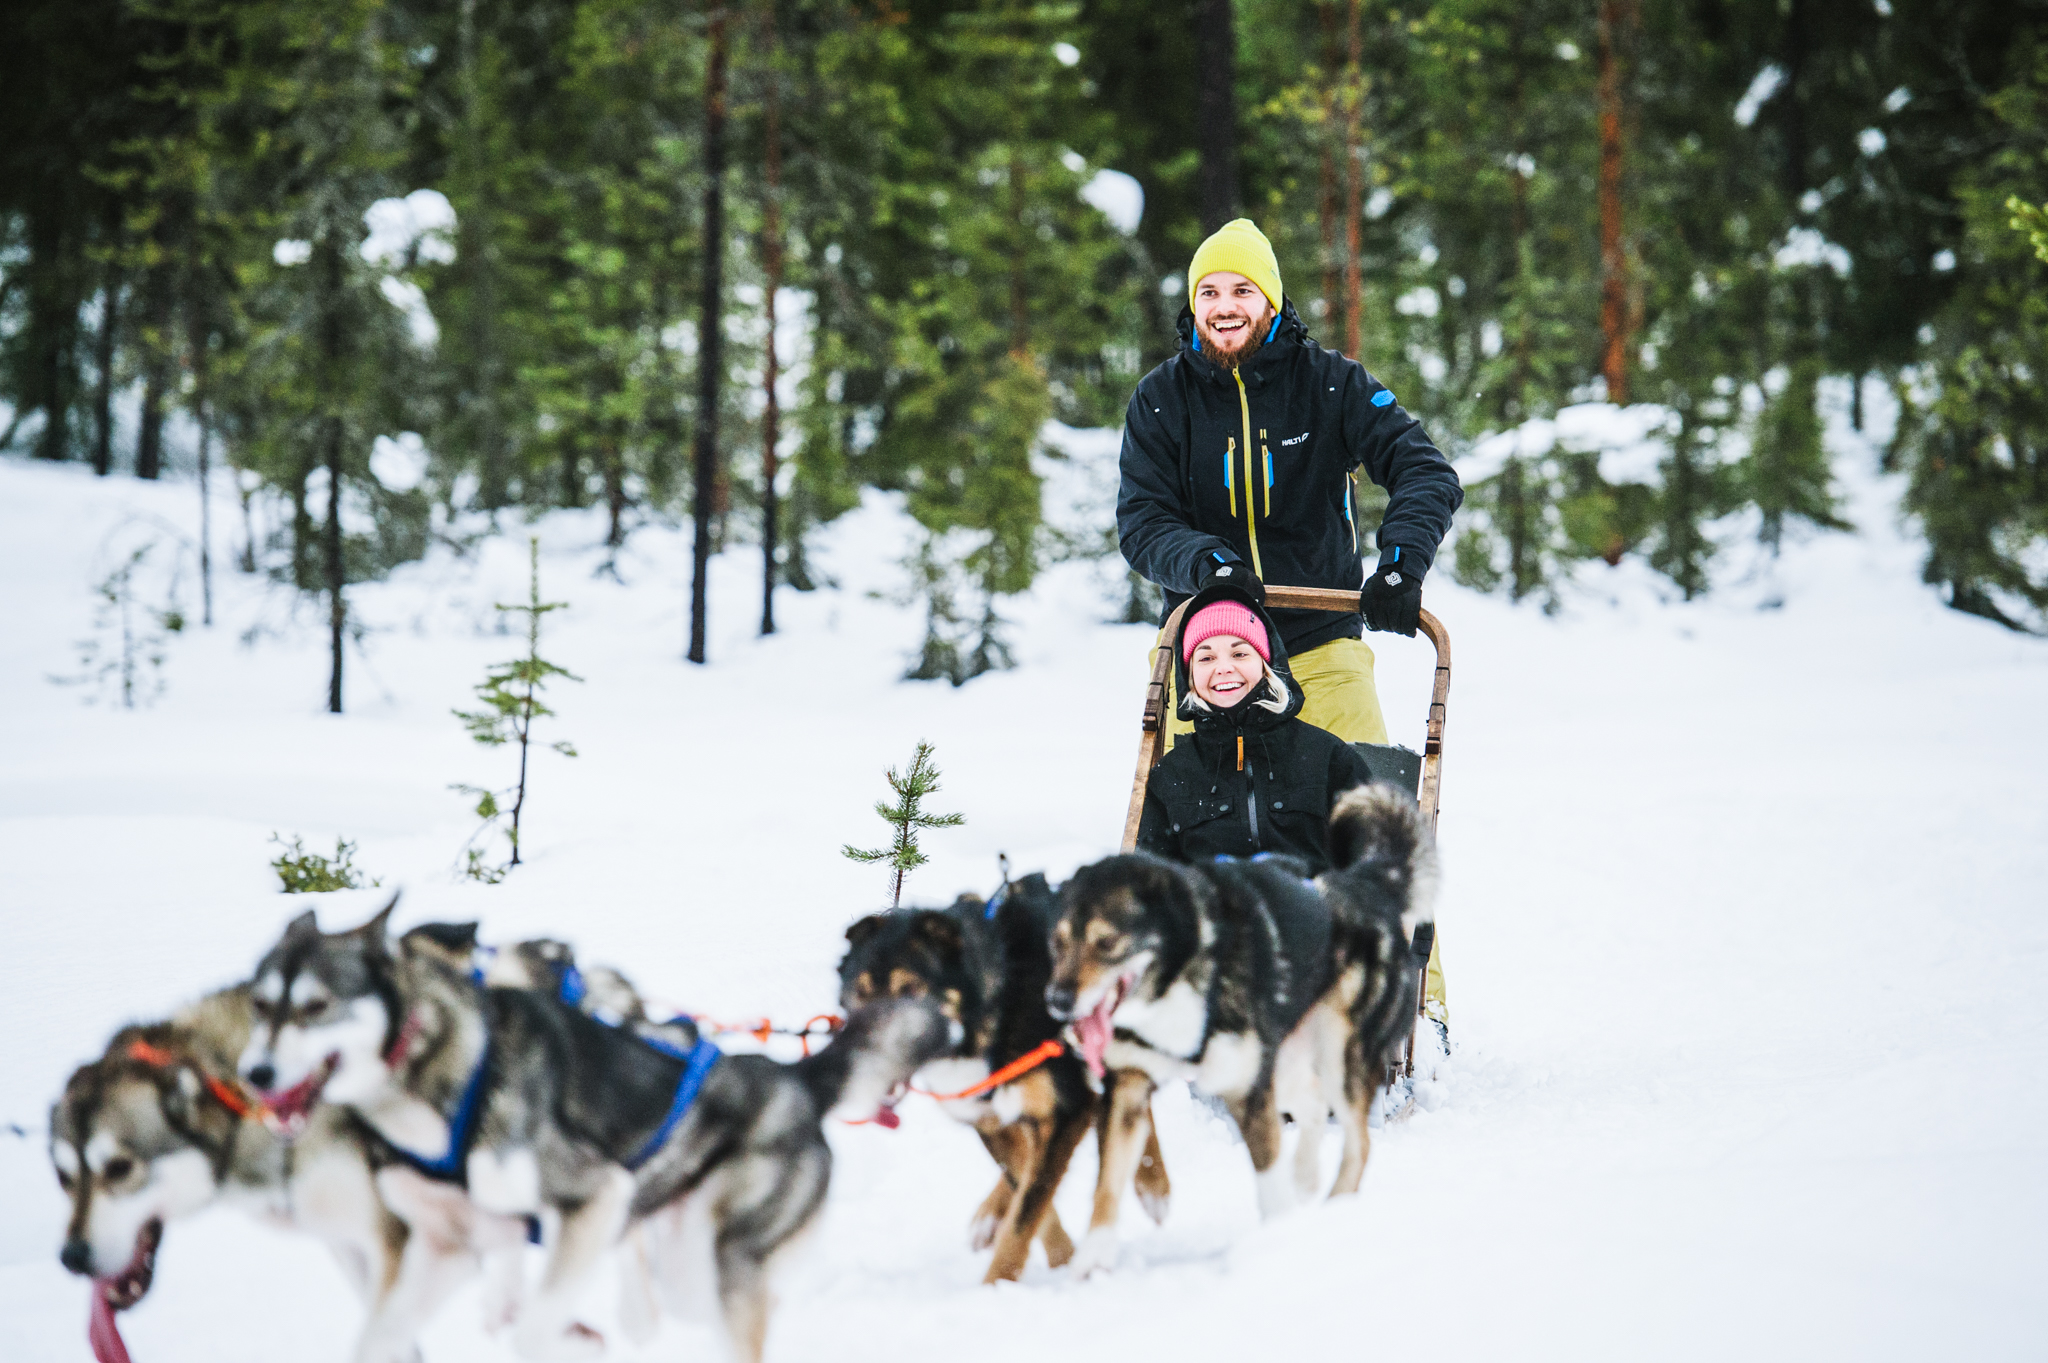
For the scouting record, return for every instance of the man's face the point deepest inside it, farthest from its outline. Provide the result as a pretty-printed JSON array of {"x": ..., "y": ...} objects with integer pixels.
[{"x": 1231, "y": 314}]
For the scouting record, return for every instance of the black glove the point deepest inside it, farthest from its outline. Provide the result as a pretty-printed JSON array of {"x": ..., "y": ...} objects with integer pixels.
[
  {"x": 1235, "y": 574},
  {"x": 1392, "y": 599}
]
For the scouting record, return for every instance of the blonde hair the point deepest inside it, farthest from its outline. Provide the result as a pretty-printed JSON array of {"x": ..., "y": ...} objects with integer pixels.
[{"x": 1276, "y": 700}]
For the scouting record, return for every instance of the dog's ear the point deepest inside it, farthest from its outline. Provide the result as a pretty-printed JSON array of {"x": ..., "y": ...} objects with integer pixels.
[
  {"x": 942, "y": 931},
  {"x": 862, "y": 929},
  {"x": 376, "y": 933},
  {"x": 304, "y": 924},
  {"x": 458, "y": 938}
]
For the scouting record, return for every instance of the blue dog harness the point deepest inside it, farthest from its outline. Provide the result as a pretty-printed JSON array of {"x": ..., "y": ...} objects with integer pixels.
[
  {"x": 697, "y": 1063},
  {"x": 570, "y": 989},
  {"x": 461, "y": 1128}
]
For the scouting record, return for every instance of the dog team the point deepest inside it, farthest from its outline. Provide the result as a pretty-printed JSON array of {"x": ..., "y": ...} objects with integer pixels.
[{"x": 428, "y": 1106}]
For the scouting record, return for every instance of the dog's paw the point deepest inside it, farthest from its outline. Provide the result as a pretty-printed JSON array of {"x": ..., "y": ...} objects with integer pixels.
[
  {"x": 981, "y": 1231},
  {"x": 1276, "y": 1192},
  {"x": 1098, "y": 1253},
  {"x": 1155, "y": 1203}
]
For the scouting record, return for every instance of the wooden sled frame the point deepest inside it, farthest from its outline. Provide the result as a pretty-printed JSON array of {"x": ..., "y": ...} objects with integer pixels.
[{"x": 1152, "y": 744}]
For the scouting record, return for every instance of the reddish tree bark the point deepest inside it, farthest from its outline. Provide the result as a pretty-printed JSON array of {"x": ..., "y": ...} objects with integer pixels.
[{"x": 1617, "y": 19}]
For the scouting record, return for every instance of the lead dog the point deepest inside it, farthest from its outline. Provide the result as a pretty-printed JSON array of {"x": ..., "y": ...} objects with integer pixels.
[
  {"x": 1279, "y": 996},
  {"x": 540, "y": 1109},
  {"x": 986, "y": 965},
  {"x": 156, "y": 1129}
]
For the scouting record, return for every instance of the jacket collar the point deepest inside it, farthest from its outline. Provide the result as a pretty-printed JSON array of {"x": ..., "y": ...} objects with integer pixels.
[{"x": 1290, "y": 334}]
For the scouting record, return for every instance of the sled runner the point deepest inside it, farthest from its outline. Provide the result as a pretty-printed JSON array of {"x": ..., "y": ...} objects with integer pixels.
[{"x": 1421, "y": 775}]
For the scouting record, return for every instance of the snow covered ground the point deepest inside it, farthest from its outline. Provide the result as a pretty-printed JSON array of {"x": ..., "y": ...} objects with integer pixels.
[{"x": 1743, "y": 921}]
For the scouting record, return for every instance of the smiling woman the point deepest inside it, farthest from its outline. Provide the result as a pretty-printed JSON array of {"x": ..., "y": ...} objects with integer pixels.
[{"x": 1255, "y": 778}]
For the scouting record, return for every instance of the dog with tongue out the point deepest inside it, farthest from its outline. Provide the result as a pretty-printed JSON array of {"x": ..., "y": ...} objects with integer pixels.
[{"x": 1282, "y": 996}]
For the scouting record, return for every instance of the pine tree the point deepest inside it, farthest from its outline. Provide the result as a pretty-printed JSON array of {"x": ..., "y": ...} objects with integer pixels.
[
  {"x": 511, "y": 695},
  {"x": 907, "y": 818}
]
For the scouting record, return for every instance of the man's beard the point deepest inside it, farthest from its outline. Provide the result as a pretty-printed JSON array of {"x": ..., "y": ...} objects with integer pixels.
[{"x": 1255, "y": 336}]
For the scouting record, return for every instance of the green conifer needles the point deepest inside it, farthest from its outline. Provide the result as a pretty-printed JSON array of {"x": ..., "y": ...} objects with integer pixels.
[
  {"x": 906, "y": 817},
  {"x": 511, "y": 696}
]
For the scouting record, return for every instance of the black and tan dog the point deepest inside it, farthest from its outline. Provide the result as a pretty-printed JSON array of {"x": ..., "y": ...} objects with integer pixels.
[
  {"x": 1281, "y": 997},
  {"x": 987, "y": 965}
]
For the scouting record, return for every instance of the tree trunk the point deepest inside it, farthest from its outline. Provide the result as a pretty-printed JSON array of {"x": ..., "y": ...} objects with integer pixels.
[
  {"x": 156, "y": 374},
  {"x": 1354, "y": 174},
  {"x": 710, "y": 328},
  {"x": 1616, "y": 20},
  {"x": 614, "y": 453},
  {"x": 103, "y": 391},
  {"x": 1216, "y": 112},
  {"x": 1328, "y": 148},
  {"x": 330, "y": 346},
  {"x": 771, "y": 270},
  {"x": 204, "y": 419},
  {"x": 473, "y": 258},
  {"x": 149, "y": 440},
  {"x": 50, "y": 326}
]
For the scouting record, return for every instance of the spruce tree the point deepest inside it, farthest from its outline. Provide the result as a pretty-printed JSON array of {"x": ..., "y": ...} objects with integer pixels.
[{"x": 906, "y": 819}]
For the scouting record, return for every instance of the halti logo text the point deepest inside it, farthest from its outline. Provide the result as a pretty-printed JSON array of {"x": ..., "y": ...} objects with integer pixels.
[{"x": 1296, "y": 440}]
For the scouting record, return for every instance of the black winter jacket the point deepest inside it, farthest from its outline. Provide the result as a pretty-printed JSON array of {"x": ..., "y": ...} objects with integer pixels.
[
  {"x": 1255, "y": 466},
  {"x": 1200, "y": 805}
]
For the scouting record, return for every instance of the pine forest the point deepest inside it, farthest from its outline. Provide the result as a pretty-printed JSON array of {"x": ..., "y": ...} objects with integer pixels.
[{"x": 400, "y": 269}]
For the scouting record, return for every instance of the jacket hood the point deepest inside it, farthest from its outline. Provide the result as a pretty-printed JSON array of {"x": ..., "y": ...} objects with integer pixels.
[
  {"x": 1245, "y": 715},
  {"x": 1291, "y": 333}
]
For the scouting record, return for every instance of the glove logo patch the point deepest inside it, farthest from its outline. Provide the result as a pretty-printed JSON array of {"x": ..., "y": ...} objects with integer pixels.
[{"x": 1393, "y": 579}]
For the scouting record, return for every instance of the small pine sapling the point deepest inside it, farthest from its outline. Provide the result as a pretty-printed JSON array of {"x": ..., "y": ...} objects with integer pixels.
[
  {"x": 511, "y": 696},
  {"x": 906, "y": 817},
  {"x": 306, "y": 872},
  {"x": 126, "y": 655}
]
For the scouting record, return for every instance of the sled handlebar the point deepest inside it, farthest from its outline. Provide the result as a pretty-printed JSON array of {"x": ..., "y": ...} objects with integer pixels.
[{"x": 1152, "y": 743}]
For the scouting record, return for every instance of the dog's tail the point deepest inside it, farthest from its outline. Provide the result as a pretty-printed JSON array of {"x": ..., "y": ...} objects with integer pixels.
[
  {"x": 1383, "y": 894},
  {"x": 877, "y": 1051},
  {"x": 1382, "y": 846}
]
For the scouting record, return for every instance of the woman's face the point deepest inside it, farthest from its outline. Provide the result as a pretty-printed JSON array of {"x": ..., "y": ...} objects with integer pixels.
[{"x": 1224, "y": 669}]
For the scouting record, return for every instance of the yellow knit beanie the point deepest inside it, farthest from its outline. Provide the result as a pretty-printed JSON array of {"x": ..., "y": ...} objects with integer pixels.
[{"x": 1241, "y": 248}]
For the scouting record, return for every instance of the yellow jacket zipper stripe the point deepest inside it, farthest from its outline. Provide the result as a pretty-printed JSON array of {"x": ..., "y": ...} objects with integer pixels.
[{"x": 1251, "y": 525}]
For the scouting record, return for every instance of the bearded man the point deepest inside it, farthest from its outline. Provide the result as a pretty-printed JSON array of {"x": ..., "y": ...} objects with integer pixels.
[{"x": 1236, "y": 466}]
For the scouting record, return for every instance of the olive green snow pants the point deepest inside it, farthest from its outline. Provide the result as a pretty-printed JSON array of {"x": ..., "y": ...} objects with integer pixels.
[{"x": 1338, "y": 695}]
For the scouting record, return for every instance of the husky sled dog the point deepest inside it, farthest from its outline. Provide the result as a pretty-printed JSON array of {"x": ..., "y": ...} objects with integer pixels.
[
  {"x": 536, "y": 1108},
  {"x": 986, "y": 966},
  {"x": 157, "y": 1129},
  {"x": 1279, "y": 996}
]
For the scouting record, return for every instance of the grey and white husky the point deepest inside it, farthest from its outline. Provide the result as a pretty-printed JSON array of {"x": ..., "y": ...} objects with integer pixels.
[
  {"x": 1280, "y": 996},
  {"x": 537, "y": 1108},
  {"x": 158, "y": 1128}
]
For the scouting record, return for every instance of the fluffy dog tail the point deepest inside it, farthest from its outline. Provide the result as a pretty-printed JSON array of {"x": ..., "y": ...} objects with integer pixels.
[
  {"x": 1382, "y": 847},
  {"x": 1383, "y": 894},
  {"x": 877, "y": 1051}
]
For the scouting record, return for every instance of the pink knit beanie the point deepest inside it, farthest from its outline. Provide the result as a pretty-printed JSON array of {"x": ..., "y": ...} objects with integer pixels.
[{"x": 1225, "y": 617}]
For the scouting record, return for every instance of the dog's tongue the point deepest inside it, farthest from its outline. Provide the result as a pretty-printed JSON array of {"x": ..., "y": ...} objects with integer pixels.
[
  {"x": 100, "y": 1330},
  {"x": 1093, "y": 1032}
]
